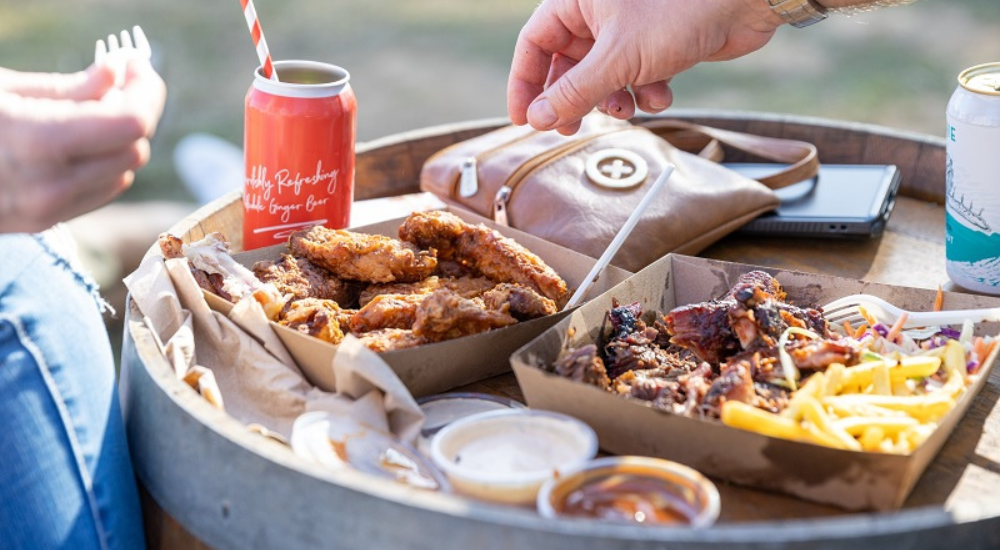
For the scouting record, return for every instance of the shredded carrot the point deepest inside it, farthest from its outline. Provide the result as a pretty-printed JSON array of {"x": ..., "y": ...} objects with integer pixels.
[
  {"x": 989, "y": 350},
  {"x": 861, "y": 330},
  {"x": 868, "y": 316},
  {"x": 848, "y": 330},
  {"x": 979, "y": 346},
  {"x": 939, "y": 300},
  {"x": 897, "y": 328}
]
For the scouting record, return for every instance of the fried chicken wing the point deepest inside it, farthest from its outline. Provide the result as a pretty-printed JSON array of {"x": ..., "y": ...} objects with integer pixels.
[
  {"x": 485, "y": 250},
  {"x": 523, "y": 302},
  {"x": 299, "y": 278},
  {"x": 389, "y": 339},
  {"x": 387, "y": 311},
  {"x": 466, "y": 286},
  {"x": 317, "y": 318},
  {"x": 362, "y": 257},
  {"x": 445, "y": 315}
]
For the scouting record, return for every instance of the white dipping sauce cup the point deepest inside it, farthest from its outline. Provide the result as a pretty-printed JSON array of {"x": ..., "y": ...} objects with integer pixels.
[{"x": 505, "y": 456}]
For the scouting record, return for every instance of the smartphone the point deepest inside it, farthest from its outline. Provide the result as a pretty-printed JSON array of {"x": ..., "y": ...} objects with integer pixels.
[{"x": 842, "y": 201}]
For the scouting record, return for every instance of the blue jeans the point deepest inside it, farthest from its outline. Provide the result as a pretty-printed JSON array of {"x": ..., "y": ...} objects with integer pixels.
[{"x": 65, "y": 476}]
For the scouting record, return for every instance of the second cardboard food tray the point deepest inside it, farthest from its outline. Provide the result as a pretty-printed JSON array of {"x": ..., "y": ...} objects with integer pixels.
[
  {"x": 442, "y": 366},
  {"x": 848, "y": 479}
]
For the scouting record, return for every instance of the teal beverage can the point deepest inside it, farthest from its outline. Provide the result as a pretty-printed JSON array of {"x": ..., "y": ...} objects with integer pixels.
[{"x": 972, "y": 180}]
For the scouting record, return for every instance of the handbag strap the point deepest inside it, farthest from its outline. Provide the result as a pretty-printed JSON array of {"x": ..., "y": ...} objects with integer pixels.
[{"x": 801, "y": 156}]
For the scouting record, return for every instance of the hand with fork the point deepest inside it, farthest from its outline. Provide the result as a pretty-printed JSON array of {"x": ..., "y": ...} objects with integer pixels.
[{"x": 70, "y": 143}]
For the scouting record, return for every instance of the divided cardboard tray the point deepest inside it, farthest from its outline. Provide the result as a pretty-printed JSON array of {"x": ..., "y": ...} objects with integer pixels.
[
  {"x": 442, "y": 366},
  {"x": 848, "y": 479}
]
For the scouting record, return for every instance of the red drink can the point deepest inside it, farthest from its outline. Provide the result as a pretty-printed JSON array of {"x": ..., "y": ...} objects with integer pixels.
[{"x": 298, "y": 143}]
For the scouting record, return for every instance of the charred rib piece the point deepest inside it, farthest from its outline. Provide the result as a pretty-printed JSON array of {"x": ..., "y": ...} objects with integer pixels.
[
  {"x": 704, "y": 329},
  {"x": 583, "y": 365}
]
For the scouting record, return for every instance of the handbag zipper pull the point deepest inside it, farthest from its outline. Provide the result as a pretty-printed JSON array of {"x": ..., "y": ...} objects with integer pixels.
[
  {"x": 468, "y": 185},
  {"x": 500, "y": 205}
]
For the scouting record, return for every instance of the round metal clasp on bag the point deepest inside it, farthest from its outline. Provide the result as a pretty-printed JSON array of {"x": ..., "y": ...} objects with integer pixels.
[{"x": 617, "y": 168}]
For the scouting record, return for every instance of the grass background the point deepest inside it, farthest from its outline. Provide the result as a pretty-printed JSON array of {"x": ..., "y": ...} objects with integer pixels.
[{"x": 419, "y": 63}]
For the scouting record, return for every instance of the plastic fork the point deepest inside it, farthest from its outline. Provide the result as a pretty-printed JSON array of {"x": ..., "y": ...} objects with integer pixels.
[
  {"x": 117, "y": 53},
  {"x": 848, "y": 309}
]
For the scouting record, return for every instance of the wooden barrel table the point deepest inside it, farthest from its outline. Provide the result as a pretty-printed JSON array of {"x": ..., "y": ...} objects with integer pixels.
[{"x": 210, "y": 483}]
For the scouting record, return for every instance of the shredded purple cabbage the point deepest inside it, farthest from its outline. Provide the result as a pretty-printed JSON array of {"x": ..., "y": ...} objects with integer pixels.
[
  {"x": 881, "y": 329},
  {"x": 949, "y": 332},
  {"x": 972, "y": 366},
  {"x": 934, "y": 342}
]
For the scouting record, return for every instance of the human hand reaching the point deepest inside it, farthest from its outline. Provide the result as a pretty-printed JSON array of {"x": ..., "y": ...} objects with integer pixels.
[
  {"x": 575, "y": 55},
  {"x": 70, "y": 143}
]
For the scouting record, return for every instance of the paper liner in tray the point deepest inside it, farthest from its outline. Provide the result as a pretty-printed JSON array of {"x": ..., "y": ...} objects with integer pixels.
[
  {"x": 442, "y": 366},
  {"x": 851, "y": 480}
]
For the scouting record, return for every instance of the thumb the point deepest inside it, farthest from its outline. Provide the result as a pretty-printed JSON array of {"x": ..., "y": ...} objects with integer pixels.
[{"x": 574, "y": 93}]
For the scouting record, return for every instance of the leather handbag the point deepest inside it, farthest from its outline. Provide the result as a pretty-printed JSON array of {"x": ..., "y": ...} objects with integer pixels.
[{"x": 578, "y": 191}]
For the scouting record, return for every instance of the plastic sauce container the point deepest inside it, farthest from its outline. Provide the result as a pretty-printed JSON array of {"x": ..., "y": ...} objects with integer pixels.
[
  {"x": 444, "y": 408},
  {"x": 505, "y": 456},
  {"x": 632, "y": 489}
]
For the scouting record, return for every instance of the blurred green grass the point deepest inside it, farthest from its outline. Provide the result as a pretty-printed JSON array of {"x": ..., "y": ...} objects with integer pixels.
[{"x": 422, "y": 63}]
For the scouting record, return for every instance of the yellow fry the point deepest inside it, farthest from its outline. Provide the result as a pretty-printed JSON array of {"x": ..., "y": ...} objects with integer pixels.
[
  {"x": 928, "y": 407},
  {"x": 954, "y": 364},
  {"x": 833, "y": 379},
  {"x": 881, "y": 384},
  {"x": 848, "y": 409},
  {"x": 747, "y": 417},
  {"x": 871, "y": 439},
  {"x": 812, "y": 388},
  {"x": 859, "y": 425},
  {"x": 814, "y": 413},
  {"x": 861, "y": 376}
]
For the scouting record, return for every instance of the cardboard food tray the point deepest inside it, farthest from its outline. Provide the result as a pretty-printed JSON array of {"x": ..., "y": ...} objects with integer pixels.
[
  {"x": 851, "y": 480},
  {"x": 442, "y": 366}
]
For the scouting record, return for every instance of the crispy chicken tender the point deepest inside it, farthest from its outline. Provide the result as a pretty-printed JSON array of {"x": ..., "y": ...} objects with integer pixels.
[
  {"x": 445, "y": 315},
  {"x": 361, "y": 257},
  {"x": 485, "y": 250},
  {"x": 318, "y": 318},
  {"x": 468, "y": 287},
  {"x": 299, "y": 278}
]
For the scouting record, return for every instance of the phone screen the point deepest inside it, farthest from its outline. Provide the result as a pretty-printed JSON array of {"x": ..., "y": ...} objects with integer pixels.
[{"x": 850, "y": 200}]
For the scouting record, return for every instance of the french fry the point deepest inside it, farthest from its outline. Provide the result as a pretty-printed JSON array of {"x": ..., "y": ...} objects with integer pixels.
[
  {"x": 858, "y": 425},
  {"x": 871, "y": 439},
  {"x": 859, "y": 377},
  {"x": 747, "y": 417},
  {"x": 814, "y": 413},
  {"x": 834, "y": 376},
  {"x": 928, "y": 407},
  {"x": 848, "y": 409},
  {"x": 881, "y": 384}
]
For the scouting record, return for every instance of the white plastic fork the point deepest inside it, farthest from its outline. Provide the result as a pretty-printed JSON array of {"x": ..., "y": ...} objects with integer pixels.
[
  {"x": 847, "y": 309},
  {"x": 118, "y": 53}
]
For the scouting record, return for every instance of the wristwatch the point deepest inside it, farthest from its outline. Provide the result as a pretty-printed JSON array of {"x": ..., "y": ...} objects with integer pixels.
[{"x": 799, "y": 13}]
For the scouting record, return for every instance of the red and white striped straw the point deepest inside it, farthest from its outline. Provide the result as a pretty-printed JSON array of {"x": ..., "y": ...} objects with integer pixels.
[{"x": 258, "y": 39}]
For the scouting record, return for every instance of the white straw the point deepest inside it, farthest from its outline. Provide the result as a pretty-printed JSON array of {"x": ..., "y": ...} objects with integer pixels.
[{"x": 623, "y": 234}]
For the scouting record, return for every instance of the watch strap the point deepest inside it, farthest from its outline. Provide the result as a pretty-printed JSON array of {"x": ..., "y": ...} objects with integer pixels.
[{"x": 798, "y": 13}]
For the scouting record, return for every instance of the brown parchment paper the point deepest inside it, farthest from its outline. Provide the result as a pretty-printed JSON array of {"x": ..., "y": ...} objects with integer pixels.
[{"x": 255, "y": 378}]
